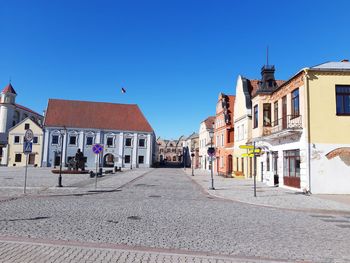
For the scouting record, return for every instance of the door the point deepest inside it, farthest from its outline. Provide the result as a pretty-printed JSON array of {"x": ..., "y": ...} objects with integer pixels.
[
  {"x": 275, "y": 167},
  {"x": 57, "y": 160},
  {"x": 284, "y": 112},
  {"x": 230, "y": 165},
  {"x": 31, "y": 159}
]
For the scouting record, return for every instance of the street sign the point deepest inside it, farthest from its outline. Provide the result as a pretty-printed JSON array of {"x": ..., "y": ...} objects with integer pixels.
[
  {"x": 257, "y": 150},
  {"x": 27, "y": 147},
  {"x": 97, "y": 148},
  {"x": 28, "y": 136},
  {"x": 247, "y": 155},
  {"x": 211, "y": 151},
  {"x": 246, "y": 147}
]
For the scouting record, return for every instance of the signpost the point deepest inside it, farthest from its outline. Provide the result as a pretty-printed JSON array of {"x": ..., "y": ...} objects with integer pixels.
[
  {"x": 252, "y": 151},
  {"x": 97, "y": 149},
  {"x": 27, "y": 149}
]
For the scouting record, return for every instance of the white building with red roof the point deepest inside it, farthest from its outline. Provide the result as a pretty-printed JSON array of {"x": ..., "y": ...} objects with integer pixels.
[
  {"x": 11, "y": 114},
  {"x": 127, "y": 138}
]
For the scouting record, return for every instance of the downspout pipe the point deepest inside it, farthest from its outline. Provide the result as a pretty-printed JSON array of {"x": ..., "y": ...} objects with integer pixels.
[{"x": 306, "y": 80}]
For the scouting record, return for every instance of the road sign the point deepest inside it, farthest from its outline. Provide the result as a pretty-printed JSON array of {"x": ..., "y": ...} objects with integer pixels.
[
  {"x": 27, "y": 147},
  {"x": 28, "y": 136},
  {"x": 247, "y": 155},
  {"x": 257, "y": 150},
  {"x": 246, "y": 147},
  {"x": 97, "y": 148},
  {"x": 211, "y": 151}
]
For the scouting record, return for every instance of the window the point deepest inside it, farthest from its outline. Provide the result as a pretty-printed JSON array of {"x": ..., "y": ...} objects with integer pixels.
[
  {"x": 128, "y": 142},
  {"x": 291, "y": 163},
  {"x": 174, "y": 158},
  {"x": 275, "y": 113},
  {"x": 343, "y": 100},
  {"x": 267, "y": 114},
  {"x": 127, "y": 158},
  {"x": 168, "y": 150},
  {"x": 26, "y": 126},
  {"x": 270, "y": 82},
  {"x": 35, "y": 139},
  {"x": 72, "y": 140},
  {"x": 89, "y": 140},
  {"x": 295, "y": 103},
  {"x": 256, "y": 117},
  {"x": 141, "y": 142},
  {"x": 222, "y": 140},
  {"x": 18, "y": 157},
  {"x": 141, "y": 159},
  {"x": 268, "y": 162},
  {"x": 242, "y": 164},
  {"x": 109, "y": 141},
  {"x": 54, "y": 139},
  {"x": 16, "y": 139}
]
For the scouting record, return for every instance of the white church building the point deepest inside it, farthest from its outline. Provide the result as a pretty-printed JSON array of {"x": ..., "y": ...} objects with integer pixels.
[
  {"x": 127, "y": 138},
  {"x": 11, "y": 114}
]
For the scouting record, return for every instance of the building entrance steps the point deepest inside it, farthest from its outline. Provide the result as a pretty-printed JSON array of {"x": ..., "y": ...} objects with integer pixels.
[{"x": 242, "y": 190}]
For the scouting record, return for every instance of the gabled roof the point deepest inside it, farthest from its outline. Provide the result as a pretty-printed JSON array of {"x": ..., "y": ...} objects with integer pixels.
[
  {"x": 95, "y": 115},
  {"x": 26, "y": 120},
  {"x": 9, "y": 89},
  {"x": 209, "y": 122},
  {"x": 27, "y": 109}
]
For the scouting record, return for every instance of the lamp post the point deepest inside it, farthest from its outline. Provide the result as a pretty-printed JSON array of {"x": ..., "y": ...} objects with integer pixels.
[
  {"x": 63, "y": 132},
  {"x": 212, "y": 152}
]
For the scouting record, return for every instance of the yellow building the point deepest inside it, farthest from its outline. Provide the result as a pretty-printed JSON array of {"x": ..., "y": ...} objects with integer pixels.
[
  {"x": 303, "y": 127},
  {"x": 16, "y": 156}
]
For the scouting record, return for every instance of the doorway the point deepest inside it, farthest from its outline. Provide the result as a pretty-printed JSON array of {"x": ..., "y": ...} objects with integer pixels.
[{"x": 31, "y": 159}]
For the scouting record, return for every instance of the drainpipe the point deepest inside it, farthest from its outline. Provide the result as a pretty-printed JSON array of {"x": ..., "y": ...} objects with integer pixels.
[{"x": 306, "y": 81}]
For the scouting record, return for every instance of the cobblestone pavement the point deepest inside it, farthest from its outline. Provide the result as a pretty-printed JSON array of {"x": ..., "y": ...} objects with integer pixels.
[
  {"x": 163, "y": 209},
  {"x": 25, "y": 252},
  {"x": 242, "y": 190}
]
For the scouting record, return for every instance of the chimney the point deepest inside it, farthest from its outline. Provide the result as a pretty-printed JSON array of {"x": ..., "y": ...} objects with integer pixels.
[{"x": 345, "y": 60}]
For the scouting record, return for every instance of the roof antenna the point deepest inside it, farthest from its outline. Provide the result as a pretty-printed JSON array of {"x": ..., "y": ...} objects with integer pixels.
[{"x": 267, "y": 55}]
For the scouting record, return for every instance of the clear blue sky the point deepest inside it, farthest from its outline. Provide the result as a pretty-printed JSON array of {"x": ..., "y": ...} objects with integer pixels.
[{"x": 173, "y": 57}]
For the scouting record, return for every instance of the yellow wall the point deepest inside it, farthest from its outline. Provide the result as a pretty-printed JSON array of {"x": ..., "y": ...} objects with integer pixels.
[
  {"x": 17, "y": 148},
  {"x": 325, "y": 125}
]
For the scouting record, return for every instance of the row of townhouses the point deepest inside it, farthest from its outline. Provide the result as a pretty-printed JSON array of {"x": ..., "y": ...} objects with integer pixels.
[
  {"x": 126, "y": 137},
  {"x": 301, "y": 125}
]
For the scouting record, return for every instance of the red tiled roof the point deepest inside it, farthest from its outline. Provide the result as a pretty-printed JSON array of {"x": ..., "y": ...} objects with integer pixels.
[
  {"x": 253, "y": 86},
  {"x": 27, "y": 109},
  {"x": 209, "y": 122},
  {"x": 95, "y": 115},
  {"x": 9, "y": 89}
]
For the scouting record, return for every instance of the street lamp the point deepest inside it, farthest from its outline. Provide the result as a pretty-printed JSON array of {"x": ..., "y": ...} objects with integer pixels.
[
  {"x": 211, "y": 152},
  {"x": 62, "y": 133}
]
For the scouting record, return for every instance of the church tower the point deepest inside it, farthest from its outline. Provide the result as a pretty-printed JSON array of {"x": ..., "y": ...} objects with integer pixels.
[{"x": 7, "y": 105}]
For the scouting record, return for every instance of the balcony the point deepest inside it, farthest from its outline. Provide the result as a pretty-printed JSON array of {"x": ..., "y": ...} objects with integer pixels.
[{"x": 289, "y": 124}]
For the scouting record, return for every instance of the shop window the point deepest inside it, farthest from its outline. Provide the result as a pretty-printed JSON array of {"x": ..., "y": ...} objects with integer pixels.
[{"x": 291, "y": 163}]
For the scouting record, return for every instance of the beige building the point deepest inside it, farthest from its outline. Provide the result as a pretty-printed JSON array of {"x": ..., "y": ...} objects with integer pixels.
[
  {"x": 303, "y": 128},
  {"x": 170, "y": 150},
  {"x": 15, "y": 144},
  {"x": 204, "y": 142}
]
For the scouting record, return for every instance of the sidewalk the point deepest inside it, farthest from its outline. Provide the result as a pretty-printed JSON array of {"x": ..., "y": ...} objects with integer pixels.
[{"x": 242, "y": 190}]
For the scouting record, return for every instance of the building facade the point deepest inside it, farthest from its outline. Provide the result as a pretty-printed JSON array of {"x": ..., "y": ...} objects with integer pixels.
[
  {"x": 169, "y": 150},
  {"x": 127, "y": 138},
  {"x": 16, "y": 157},
  {"x": 11, "y": 113},
  {"x": 191, "y": 147},
  {"x": 224, "y": 135},
  {"x": 303, "y": 127},
  {"x": 205, "y": 141}
]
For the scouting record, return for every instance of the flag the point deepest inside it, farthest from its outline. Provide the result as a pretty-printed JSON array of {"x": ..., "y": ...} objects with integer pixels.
[{"x": 123, "y": 90}]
